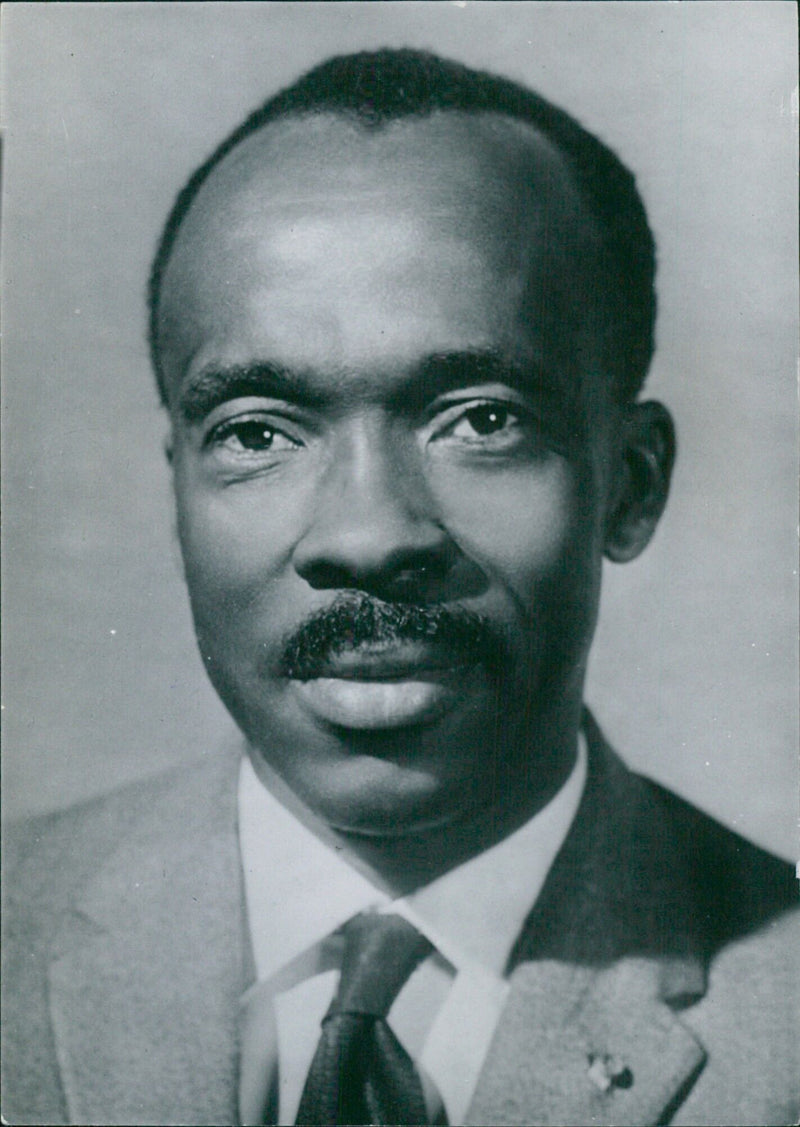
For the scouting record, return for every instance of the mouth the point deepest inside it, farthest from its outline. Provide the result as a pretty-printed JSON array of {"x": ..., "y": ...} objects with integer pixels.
[{"x": 379, "y": 688}]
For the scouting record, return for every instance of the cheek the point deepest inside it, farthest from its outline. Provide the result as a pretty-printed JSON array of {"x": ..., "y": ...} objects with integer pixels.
[
  {"x": 233, "y": 543},
  {"x": 522, "y": 526}
]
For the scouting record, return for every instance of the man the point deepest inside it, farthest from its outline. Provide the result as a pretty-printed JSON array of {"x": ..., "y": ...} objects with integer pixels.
[{"x": 400, "y": 321}]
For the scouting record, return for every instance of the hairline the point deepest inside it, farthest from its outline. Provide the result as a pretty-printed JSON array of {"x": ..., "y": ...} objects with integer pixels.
[
  {"x": 518, "y": 125},
  {"x": 628, "y": 378}
]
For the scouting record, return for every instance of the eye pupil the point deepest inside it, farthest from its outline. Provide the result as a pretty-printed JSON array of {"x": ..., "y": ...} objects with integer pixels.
[
  {"x": 487, "y": 418},
  {"x": 254, "y": 435}
]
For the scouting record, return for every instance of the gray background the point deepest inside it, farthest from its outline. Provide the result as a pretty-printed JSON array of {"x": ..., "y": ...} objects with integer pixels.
[{"x": 108, "y": 107}]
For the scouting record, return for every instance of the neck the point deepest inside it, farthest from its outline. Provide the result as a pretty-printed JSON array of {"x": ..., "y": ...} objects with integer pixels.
[
  {"x": 529, "y": 770},
  {"x": 403, "y": 862}
]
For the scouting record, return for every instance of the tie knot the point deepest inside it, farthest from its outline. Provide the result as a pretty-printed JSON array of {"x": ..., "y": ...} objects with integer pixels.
[{"x": 380, "y": 953}]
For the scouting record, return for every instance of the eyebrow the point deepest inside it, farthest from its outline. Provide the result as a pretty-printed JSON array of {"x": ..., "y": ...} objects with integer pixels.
[
  {"x": 554, "y": 399},
  {"x": 447, "y": 371},
  {"x": 214, "y": 386},
  {"x": 435, "y": 375}
]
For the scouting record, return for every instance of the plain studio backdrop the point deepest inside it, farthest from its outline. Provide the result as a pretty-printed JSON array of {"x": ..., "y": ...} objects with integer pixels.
[{"x": 108, "y": 107}]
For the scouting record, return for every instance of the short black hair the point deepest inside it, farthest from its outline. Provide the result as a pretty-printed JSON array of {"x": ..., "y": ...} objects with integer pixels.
[{"x": 374, "y": 88}]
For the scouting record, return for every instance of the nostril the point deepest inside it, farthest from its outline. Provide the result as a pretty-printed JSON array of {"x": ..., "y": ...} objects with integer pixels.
[
  {"x": 411, "y": 584},
  {"x": 398, "y": 579},
  {"x": 325, "y": 576},
  {"x": 415, "y": 575},
  {"x": 420, "y": 580},
  {"x": 411, "y": 574}
]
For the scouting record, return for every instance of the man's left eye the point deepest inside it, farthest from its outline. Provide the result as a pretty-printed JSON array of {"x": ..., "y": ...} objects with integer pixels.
[
  {"x": 482, "y": 421},
  {"x": 486, "y": 428},
  {"x": 489, "y": 426}
]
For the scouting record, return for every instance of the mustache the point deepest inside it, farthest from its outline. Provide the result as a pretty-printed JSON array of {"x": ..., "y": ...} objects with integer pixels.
[{"x": 353, "y": 621}]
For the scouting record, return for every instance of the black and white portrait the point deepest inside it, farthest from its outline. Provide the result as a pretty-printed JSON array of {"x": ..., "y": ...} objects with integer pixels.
[{"x": 400, "y": 563}]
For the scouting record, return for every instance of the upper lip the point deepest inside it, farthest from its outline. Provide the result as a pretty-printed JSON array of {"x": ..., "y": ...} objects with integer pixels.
[{"x": 386, "y": 663}]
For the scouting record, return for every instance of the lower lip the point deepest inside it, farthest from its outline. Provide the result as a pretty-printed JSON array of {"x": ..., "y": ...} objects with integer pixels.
[{"x": 375, "y": 705}]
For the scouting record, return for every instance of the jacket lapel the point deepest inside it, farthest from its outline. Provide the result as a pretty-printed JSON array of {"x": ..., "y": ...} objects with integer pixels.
[
  {"x": 612, "y": 951},
  {"x": 157, "y": 942},
  {"x": 577, "y": 1046}
]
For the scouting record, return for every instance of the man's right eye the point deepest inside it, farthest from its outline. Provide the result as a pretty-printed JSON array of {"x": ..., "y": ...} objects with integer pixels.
[{"x": 250, "y": 435}]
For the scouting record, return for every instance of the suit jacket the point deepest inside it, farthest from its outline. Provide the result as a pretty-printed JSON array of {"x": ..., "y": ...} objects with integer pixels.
[{"x": 655, "y": 981}]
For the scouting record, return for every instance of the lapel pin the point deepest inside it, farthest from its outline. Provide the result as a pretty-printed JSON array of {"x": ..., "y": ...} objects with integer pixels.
[{"x": 607, "y": 1071}]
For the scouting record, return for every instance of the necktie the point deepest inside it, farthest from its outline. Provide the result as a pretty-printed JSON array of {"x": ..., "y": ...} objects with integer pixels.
[{"x": 360, "y": 1072}]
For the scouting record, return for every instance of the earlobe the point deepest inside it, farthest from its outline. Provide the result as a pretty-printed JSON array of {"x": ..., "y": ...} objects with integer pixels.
[{"x": 644, "y": 468}]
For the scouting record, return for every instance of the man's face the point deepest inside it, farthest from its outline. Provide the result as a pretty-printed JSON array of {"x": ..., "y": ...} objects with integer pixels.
[{"x": 383, "y": 362}]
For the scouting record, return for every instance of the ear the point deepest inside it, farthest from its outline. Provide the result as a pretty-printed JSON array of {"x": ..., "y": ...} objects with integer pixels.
[{"x": 645, "y": 457}]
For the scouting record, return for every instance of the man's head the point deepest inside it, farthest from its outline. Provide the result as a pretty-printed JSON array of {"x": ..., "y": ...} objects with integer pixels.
[{"x": 399, "y": 320}]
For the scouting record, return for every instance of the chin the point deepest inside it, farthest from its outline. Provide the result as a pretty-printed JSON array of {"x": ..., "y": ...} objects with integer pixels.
[
  {"x": 397, "y": 824},
  {"x": 370, "y": 798}
]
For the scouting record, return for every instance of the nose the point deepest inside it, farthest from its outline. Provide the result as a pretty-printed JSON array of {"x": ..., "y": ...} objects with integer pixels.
[{"x": 374, "y": 525}]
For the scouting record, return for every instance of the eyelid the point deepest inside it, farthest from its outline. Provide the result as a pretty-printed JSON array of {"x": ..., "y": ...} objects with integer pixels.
[
  {"x": 217, "y": 438},
  {"x": 447, "y": 410},
  {"x": 490, "y": 393},
  {"x": 278, "y": 415}
]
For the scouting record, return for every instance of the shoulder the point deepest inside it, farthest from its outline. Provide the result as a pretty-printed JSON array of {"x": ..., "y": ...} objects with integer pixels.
[
  {"x": 737, "y": 888},
  {"x": 50, "y": 865},
  {"x": 48, "y": 857},
  {"x": 747, "y": 1021},
  {"x": 746, "y": 912},
  {"x": 739, "y": 909},
  {"x": 725, "y": 885},
  {"x": 111, "y": 842}
]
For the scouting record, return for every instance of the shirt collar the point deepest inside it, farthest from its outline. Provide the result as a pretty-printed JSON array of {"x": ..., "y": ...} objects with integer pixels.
[{"x": 300, "y": 888}]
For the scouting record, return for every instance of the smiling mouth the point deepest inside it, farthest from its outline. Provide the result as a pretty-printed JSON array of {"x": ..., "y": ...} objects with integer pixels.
[{"x": 374, "y": 688}]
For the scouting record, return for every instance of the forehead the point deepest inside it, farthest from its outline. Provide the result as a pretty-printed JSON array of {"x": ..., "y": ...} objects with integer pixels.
[
  {"x": 480, "y": 162},
  {"x": 316, "y": 227}
]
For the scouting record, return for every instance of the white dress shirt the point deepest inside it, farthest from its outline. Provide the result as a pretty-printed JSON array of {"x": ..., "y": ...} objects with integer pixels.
[{"x": 300, "y": 889}]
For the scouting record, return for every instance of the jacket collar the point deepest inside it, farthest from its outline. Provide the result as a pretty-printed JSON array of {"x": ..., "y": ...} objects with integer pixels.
[
  {"x": 620, "y": 885},
  {"x": 610, "y": 954}
]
